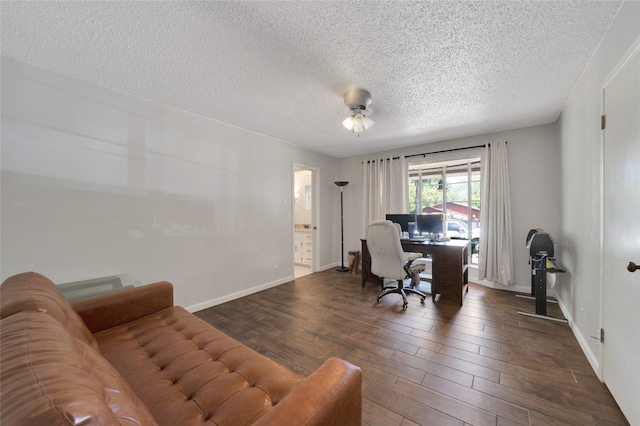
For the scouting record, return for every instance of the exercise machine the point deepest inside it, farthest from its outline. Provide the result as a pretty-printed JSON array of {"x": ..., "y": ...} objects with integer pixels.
[{"x": 542, "y": 261}]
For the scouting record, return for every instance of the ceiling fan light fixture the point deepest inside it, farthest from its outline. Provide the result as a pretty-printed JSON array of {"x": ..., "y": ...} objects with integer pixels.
[{"x": 357, "y": 101}]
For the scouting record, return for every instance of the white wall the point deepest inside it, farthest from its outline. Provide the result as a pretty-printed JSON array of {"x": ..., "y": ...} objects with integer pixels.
[
  {"x": 581, "y": 153},
  {"x": 97, "y": 182},
  {"x": 534, "y": 186}
]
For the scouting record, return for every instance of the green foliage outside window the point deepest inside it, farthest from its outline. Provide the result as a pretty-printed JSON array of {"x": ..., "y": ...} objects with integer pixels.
[
  {"x": 430, "y": 189},
  {"x": 431, "y": 195}
]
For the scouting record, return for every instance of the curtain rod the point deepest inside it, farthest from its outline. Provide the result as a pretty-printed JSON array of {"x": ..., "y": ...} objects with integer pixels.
[
  {"x": 447, "y": 150},
  {"x": 387, "y": 159},
  {"x": 437, "y": 152}
]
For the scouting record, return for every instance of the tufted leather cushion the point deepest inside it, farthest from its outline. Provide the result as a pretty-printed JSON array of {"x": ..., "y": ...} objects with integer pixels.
[
  {"x": 188, "y": 372},
  {"x": 49, "y": 377},
  {"x": 34, "y": 292}
]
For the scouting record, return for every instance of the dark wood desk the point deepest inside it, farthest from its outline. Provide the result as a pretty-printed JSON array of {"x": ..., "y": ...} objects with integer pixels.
[{"x": 449, "y": 266}]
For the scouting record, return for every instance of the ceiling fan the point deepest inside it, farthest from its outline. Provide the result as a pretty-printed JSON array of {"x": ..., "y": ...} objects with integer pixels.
[{"x": 358, "y": 101}]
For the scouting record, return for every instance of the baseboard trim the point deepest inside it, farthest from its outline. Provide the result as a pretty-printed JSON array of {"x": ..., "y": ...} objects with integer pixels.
[
  {"x": 513, "y": 288},
  {"x": 229, "y": 297},
  {"x": 582, "y": 340},
  {"x": 473, "y": 277},
  {"x": 332, "y": 265}
]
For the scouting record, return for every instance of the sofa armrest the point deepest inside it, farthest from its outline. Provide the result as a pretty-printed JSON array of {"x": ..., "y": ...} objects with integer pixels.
[
  {"x": 113, "y": 309},
  {"x": 331, "y": 395}
]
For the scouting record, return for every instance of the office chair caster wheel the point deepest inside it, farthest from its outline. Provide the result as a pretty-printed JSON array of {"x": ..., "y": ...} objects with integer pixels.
[
  {"x": 422, "y": 300},
  {"x": 379, "y": 300},
  {"x": 404, "y": 306}
]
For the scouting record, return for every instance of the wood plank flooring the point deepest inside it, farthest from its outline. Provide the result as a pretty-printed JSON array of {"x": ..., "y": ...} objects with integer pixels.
[{"x": 435, "y": 364}]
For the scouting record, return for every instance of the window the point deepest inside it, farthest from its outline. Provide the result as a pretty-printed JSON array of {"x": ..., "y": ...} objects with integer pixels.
[{"x": 452, "y": 189}]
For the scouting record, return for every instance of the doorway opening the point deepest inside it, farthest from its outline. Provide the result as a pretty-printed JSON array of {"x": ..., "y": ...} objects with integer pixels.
[{"x": 305, "y": 196}]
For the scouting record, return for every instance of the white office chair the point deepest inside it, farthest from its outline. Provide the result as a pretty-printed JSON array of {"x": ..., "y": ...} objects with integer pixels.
[{"x": 388, "y": 260}]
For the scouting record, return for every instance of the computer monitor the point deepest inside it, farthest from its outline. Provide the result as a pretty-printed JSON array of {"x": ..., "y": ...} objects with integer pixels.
[
  {"x": 430, "y": 223},
  {"x": 402, "y": 219}
]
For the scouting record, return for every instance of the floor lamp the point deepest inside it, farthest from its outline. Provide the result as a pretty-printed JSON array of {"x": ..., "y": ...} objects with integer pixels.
[{"x": 342, "y": 184}]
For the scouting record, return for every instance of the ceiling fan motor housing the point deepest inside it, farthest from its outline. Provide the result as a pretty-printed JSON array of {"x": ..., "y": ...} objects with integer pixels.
[{"x": 357, "y": 99}]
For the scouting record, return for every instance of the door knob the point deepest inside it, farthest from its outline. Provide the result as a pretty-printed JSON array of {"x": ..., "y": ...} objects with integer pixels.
[{"x": 631, "y": 267}]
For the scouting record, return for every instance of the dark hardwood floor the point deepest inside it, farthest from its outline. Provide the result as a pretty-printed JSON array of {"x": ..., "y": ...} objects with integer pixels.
[{"x": 435, "y": 364}]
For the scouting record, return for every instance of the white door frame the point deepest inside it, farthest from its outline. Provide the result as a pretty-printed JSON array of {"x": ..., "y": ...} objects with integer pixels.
[{"x": 315, "y": 208}]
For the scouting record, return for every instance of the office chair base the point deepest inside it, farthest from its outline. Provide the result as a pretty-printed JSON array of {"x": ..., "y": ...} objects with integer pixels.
[{"x": 401, "y": 289}]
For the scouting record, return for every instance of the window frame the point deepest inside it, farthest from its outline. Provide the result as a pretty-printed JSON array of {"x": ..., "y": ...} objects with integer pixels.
[{"x": 470, "y": 163}]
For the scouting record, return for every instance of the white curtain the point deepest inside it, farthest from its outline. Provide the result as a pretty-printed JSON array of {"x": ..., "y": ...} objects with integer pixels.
[
  {"x": 495, "y": 261},
  {"x": 385, "y": 183}
]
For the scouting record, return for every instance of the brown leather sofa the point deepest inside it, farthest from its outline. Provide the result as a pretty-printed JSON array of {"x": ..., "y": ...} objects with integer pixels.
[{"x": 132, "y": 358}]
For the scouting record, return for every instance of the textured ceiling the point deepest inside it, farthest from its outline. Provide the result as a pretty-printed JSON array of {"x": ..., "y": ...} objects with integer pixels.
[{"x": 436, "y": 70}]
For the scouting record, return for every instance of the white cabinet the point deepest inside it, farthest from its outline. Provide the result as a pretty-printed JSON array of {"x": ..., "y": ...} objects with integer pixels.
[{"x": 303, "y": 250}]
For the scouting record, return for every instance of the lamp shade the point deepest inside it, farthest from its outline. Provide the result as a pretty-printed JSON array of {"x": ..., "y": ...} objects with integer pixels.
[
  {"x": 361, "y": 122},
  {"x": 348, "y": 122}
]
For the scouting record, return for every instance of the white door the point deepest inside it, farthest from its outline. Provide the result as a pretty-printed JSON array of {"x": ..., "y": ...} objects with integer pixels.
[{"x": 621, "y": 304}]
